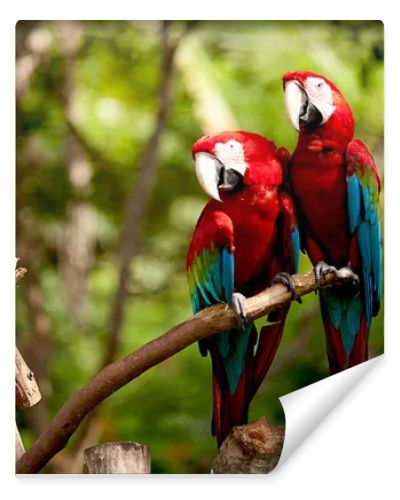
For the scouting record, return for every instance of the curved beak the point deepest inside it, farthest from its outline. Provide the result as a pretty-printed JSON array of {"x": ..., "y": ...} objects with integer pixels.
[
  {"x": 295, "y": 102},
  {"x": 299, "y": 107},
  {"x": 208, "y": 171},
  {"x": 214, "y": 176}
]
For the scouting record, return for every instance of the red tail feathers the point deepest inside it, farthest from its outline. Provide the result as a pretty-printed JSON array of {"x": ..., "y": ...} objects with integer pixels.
[
  {"x": 232, "y": 409},
  {"x": 229, "y": 409},
  {"x": 268, "y": 343},
  {"x": 337, "y": 357}
]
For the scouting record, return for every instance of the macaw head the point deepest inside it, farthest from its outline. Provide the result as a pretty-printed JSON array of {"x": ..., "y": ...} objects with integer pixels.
[
  {"x": 229, "y": 161},
  {"x": 313, "y": 102}
]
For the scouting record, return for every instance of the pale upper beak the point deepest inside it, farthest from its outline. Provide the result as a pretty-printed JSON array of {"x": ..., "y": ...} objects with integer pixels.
[
  {"x": 214, "y": 176},
  {"x": 305, "y": 109},
  {"x": 208, "y": 170},
  {"x": 295, "y": 102}
]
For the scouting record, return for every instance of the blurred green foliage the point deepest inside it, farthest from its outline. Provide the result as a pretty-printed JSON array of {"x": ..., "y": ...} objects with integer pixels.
[{"x": 117, "y": 75}]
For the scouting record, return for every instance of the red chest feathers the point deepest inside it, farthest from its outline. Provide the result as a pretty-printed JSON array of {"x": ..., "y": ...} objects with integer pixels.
[
  {"x": 320, "y": 193},
  {"x": 254, "y": 227}
]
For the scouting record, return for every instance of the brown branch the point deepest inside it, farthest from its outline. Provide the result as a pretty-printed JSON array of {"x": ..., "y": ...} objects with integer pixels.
[
  {"x": 19, "y": 273},
  {"x": 39, "y": 346},
  {"x": 250, "y": 449},
  {"x": 19, "y": 445},
  {"x": 207, "y": 322},
  {"x": 27, "y": 392}
]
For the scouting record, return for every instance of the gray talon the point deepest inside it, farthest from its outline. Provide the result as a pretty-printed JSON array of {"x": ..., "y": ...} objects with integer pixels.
[
  {"x": 286, "y": 279},
  {"x": 348, "y": 274},
  {"x": 238, "y": 301},
  {"x": 320, "y": 270}
]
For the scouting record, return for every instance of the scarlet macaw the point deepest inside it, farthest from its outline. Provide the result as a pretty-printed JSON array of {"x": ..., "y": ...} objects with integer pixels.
[
  {"x": 335, "y": 186},
  {"x": 245, "y": 236}
]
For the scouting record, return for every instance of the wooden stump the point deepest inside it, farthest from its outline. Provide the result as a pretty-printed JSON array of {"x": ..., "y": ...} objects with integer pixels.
[
  {"x": 121, "y": 457},
  {"x": 250, "y": 449}
]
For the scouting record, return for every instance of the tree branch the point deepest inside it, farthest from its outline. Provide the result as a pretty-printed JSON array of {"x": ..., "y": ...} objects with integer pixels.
[
  {"x": 19, "y": 273},
  {"x": 19, "y": 445},
  {"x": 39, "y": 346},
  {"x": 27, "y": 392},
  {"x": 207, "y": 322}
]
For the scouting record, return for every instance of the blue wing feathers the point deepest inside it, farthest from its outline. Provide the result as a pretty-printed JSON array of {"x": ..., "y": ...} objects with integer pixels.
[
  {"x": 211, "y": 280},
  {"x": 354, "y": 205},
  {"x": 367, "y": 202},
  {"x": 227, "y": 274},
  {"x": 233, "y": 348},
  {"x": 216, "y": 279},
  {"x": 296, "y": 247},
  {"x": 364, "y": 243},
  {"x": 376, "y": 258},
  {"x": 345, "y": 312},
  {"x": 335, "y": 309}
]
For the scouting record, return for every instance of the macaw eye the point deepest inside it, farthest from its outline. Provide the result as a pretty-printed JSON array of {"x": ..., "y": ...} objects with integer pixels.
[
  {"x": 314, "y": 83},
  {"x": 233, "y": 145}
]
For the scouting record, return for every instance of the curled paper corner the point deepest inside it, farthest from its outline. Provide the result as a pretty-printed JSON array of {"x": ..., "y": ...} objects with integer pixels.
[{"x": 306, "y": 408}]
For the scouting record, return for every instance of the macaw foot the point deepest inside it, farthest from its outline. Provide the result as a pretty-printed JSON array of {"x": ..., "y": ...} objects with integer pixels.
[
  {"x": 238, "y": 304},
  {"x": 286, "y": 279},
  {"x": 347, "y": 273},
  {"x": 320, "y": 270}
]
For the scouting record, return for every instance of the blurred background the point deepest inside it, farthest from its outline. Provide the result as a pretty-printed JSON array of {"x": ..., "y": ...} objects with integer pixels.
[{"x": 107, "y": 199}]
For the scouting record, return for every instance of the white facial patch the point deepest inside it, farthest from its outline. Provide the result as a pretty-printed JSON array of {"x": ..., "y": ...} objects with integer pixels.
[
  {"x": 320, "y": 94},
  {"x": 231, "y": 155}
]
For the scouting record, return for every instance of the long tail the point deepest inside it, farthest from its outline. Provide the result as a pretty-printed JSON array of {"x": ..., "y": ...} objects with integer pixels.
[
  {"x": 346, "y": 329},
  {"x": 231, "y": 408},
  {"x": 268, "y": 343}
]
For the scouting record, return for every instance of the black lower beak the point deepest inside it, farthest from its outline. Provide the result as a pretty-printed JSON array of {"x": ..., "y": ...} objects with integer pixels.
[
  {"x": 229, "y": 179},
  {"x": 310, "y": 116}
]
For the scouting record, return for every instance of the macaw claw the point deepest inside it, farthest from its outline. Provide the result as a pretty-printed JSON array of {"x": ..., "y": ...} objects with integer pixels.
[
  {"x": 345, "y": 273},
  {"x": 320, "y": 269},
  {"x": 286, "y": 279},
  {"x": 349, "y": 275},
  {"x": 238, "y": 304}
]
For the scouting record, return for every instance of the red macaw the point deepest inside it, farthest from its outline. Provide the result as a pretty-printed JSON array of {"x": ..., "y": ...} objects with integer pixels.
[
  {"x": 245, "y": 236},
  {"x": 335, "y": 186}
]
